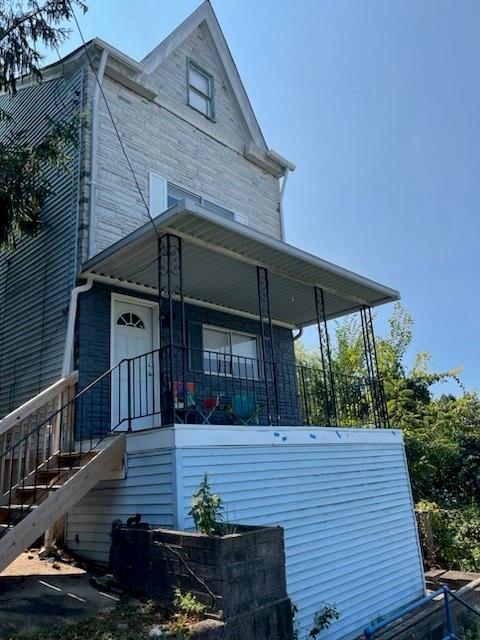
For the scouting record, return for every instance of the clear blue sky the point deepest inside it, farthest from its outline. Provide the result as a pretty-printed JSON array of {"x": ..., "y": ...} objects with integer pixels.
[{"x": 378, "y": 105}]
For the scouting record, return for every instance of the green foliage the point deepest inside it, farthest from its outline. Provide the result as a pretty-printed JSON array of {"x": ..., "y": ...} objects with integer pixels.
[
  {"x": 323, "y": 619},
  {"x": 24, "y": 26},
  {"x": 457, "y": 535},
  {"x": 207, "y": 509},
  {"x": 188, "y": 604},
  {"x": 442, "y": 434},
  {"x": 187, "y": 611}
]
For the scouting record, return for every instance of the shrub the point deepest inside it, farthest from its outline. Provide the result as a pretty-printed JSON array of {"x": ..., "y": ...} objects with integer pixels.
[{"x": 457, "y": 535}]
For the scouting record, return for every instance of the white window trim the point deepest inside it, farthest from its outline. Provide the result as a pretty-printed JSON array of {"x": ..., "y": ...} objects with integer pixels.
[
  {"x": 238, "y": 216},
  {"x": 210, "y": 97},
  {"x": 229, "y": 332}
]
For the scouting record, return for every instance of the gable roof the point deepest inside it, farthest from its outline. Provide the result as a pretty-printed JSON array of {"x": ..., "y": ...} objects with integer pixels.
[{"x": 206, "y": 16}]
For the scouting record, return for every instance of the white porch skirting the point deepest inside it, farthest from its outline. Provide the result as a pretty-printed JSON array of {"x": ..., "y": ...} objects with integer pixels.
[{"x": 342, "y": 495}]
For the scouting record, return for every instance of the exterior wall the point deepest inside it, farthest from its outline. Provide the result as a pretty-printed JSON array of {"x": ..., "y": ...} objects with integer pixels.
[
  {"x": 344, "y": 500},
  {"x": 158, "y": 140},
  {"x": 36, "y": 277},
  {"x": 342, "y": 496},
  {"x": 169, "y": 79},
  {"x": 147, "y": 489},
  {"x": 93, "y": 348}
]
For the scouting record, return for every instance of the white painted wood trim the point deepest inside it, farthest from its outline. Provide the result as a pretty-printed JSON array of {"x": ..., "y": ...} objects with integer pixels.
[
  {"x": 198, "y": 435},
  {"x": 50, "y": 393},
  {"x": 151, "y": 304}
]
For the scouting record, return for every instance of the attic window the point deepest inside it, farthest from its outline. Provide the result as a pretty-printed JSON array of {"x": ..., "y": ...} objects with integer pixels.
[{"x": 200, "y": 90}]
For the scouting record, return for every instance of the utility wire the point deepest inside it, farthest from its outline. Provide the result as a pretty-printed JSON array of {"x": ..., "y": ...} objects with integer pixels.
[{"x": 122, "y": 146}]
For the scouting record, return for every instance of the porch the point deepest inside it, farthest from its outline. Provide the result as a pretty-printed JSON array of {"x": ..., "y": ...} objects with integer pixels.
[{"x": 238, "y": 368}]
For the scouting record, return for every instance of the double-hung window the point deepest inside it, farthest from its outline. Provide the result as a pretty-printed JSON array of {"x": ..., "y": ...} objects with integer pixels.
[
  {"x": 200, "y": 88},
  {"x": 230, "y": 353}
]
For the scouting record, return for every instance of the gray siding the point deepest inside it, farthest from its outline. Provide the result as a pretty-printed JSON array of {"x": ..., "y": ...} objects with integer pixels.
[
  {"x": 147, "y": 489},
  {"x": 169, "y": 79},
  {"x": 157, "y": 140},
  {"x": 36, "y": 277}
]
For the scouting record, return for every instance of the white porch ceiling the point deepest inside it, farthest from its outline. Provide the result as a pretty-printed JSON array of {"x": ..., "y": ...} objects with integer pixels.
[{"x": 219, "y": 265}]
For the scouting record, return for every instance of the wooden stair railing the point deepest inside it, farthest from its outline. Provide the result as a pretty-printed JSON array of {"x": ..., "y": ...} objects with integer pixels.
[
  {"x": 55, "y": 487},
  {"x": 54, "y": 449},
  {"x": 43, "y": 410}
]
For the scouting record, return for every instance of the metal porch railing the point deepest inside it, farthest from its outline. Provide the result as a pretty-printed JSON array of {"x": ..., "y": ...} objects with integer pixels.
[
  {"x": 449, "y": 630},
  {"x": 163, "y": 387}
]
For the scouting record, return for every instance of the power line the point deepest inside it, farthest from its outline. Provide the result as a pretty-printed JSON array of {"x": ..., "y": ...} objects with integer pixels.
[{"x": 117, "y": 133}]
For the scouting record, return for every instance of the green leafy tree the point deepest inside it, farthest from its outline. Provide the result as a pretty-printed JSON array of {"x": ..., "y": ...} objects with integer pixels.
[{"x": 26, "y": 26}]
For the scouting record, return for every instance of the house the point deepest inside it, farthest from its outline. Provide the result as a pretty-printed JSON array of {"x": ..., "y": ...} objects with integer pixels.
[{"x": 147, "y": 337}]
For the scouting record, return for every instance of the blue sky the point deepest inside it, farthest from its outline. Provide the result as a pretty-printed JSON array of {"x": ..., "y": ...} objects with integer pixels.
[{"x": 377, "y": 103}]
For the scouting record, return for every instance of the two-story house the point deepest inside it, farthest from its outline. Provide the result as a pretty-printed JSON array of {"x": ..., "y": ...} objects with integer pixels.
[{"x": 147, "y": 336}]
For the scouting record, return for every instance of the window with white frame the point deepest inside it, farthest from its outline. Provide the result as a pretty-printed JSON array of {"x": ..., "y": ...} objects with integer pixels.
[
  {"x": 200, "y": 87},
  {"x": 230, "y": 353}
]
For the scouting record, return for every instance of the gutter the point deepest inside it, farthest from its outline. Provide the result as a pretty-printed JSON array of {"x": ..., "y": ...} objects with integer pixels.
[
  {"x": 93, "y": 153},
  {"x": 72, "y": 314}
]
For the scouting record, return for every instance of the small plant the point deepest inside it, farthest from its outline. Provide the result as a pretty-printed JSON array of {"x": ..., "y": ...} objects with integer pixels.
[
  {"x": 187, "y": 611},
  {"x": 188, "y": 604},
  {"x": 323, "y": 619},
  {"x": 206, "y": 509}
]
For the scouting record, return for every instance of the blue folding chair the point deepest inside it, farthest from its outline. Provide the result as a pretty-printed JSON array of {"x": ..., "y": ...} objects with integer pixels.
[{"x": 244, "y": 409}]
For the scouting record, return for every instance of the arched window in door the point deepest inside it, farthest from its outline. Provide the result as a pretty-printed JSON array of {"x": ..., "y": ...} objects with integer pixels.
[{"x": 128, "y": 319}]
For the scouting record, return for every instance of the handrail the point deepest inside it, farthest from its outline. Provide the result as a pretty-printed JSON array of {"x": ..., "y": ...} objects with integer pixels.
[
  {"x": 22, "y": 412},
  {"x": 370, "y": 631},
  {"x": 55, "y": 433}
]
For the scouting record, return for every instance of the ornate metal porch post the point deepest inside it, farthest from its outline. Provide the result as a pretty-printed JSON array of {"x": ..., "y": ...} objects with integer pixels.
[
  {"x": 379, "y": 404},
  {"x": 268, "y": 349},
  {"x": 326, "y": 359},
  {"x": 170, "y": 286}
]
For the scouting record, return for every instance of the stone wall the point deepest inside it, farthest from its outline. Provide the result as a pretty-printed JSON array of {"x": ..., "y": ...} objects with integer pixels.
[{"x": 240, "y": 577}]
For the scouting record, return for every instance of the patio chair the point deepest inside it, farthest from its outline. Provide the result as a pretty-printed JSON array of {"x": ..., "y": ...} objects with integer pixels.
[
  {"x": 184, "y": 400},
  {"x": 210, "y": 406},
  {"x": 244, "y": 409}
]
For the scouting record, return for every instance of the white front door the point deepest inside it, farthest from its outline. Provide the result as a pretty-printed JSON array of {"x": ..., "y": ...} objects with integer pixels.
[{"x": 133, "y": 337}]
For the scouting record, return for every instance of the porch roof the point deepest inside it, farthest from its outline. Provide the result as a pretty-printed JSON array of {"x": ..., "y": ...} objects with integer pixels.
[{"x": 220, "y": 258}]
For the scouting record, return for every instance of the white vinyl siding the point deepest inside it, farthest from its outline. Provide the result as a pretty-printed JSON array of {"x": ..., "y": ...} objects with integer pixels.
[
  {"x": 342, "y": 496},
  {"x": 350, "y": 533},
  {"x": 147, "y": 489}
]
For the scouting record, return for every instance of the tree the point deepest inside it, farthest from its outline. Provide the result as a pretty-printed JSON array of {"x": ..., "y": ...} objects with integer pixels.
[
  {"x": 26, "y": 25},
  {"x": 442, "y": 433}
]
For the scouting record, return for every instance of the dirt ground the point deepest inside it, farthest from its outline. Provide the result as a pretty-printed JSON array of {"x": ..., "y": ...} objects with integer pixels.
[{"x": 29, "y": 563}]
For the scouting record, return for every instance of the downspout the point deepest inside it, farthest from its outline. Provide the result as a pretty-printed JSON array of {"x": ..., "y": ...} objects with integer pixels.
[
  {"x": 72, "y": 314},
  {"x": 282, "y": 193},
  {"x": 93, "y": 153},
  {"x": 299, "y": 334}
]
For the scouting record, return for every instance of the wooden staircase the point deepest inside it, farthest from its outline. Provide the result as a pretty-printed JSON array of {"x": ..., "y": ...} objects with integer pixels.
[{"x": 42, "y": 497}]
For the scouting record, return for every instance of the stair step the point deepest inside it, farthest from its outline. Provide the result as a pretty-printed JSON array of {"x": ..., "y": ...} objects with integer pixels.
[
  {"x": 16, "y": 510},
  {"x": 39, "y": 487},
  {"x": 88, "y": 455}
]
